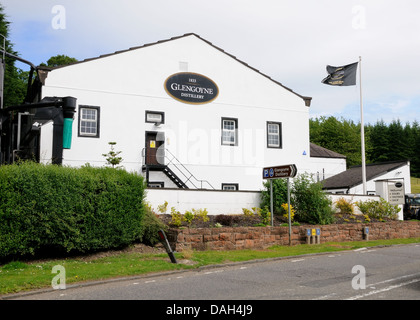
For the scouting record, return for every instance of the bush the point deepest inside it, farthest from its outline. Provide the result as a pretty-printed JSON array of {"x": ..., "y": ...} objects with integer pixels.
[
  {"x": 310, "y": 202},
  {"x": 152, "y": 224},
  {"x": 307, "y": 197},
  {"x": 62, "y": 209},
  {"x": 378, "y": 209},
  {"x": 344, "y": 206},
  {"x": 279, "y": 195},
  {"x": 285, "y": 208}
]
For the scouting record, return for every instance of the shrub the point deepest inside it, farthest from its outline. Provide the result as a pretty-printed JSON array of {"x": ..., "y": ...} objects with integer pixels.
[
  {"x": 310, "y": 201},
  {"x": 285, "y": 208},
  {"x": 344, "y": 206},
  {"x": 188, "y": 217},
  {"x": 307, "y": 197},
  {"x": 279, "y": 195},
  {"x": 61, "y": 209},
  {"x": 176, "y": 217},
  {"x": 265, "y": 215},
  {"x": 152, "y": 224},
  {"x": 380, "y": 210},
  {"x": 201, "y": 214},
  {"x": 163, "y": 207}
]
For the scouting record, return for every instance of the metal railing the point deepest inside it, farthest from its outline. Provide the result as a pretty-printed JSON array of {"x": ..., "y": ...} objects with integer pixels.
[{"x": 181, "y": 171}]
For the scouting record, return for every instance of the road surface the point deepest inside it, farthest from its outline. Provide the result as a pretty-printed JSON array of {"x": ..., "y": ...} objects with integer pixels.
[{"x": 391, "y": 273}]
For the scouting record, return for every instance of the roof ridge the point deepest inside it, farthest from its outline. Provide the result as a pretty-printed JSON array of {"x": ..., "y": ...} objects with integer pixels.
[{"x": 305, "y": 98}]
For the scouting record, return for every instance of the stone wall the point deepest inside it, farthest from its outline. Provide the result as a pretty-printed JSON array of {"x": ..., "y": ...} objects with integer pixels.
[{"x": 237, "y": 238}]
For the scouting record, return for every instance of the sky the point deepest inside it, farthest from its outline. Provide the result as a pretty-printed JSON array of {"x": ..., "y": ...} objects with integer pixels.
[{"x": 292, "y": 41}]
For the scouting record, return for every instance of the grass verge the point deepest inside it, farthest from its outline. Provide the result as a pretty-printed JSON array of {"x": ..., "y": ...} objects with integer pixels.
[{"x": 18, "y": 276}]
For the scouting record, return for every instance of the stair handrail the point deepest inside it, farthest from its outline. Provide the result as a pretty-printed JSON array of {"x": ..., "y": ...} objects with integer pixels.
[{"x": 180, "y": 164}]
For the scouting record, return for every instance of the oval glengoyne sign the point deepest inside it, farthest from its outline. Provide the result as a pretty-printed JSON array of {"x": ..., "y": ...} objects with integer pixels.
[{"x": 191, "y": 88}]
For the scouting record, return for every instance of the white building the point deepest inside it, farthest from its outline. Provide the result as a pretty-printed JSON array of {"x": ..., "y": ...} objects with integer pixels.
[
  {"x": 350, "y": 181},
  {"x": 186, "y": 114}
]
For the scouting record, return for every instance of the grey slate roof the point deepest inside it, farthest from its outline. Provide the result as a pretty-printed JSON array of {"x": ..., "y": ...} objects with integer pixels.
[
  {"x": 320, "y": 152},
  {"x": 353, "y": 176}
]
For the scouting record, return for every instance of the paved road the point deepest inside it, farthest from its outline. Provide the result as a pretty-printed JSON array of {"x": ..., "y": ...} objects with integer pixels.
[{"x": 372, "y": 273}]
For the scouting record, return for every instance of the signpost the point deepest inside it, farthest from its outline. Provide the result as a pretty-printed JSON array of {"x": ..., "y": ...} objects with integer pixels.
[
  {"x": 167, "y": 246},
  {"x": 278, "y": 172}
]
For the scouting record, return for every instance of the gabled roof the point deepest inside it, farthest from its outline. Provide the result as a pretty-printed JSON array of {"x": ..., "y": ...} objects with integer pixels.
[
  {"x": 353, "y": 176},
  {"x": 320, "y": 152},
  {"x": 306, "y": 99}
]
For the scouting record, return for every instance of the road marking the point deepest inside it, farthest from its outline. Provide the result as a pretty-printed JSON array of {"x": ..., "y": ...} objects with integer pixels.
[
  {"x": 360, "y": 249},
  {"x": 327, "y": 296},
  {"x": 297, "y": 260},
  {"x": 394, "y": 279},
  {"x": 150, "y": 281},
  {"x": 383, "y": 290}
]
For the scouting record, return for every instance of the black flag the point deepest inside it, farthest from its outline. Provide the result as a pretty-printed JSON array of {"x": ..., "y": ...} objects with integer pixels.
[{"x": 341, "y": 76}]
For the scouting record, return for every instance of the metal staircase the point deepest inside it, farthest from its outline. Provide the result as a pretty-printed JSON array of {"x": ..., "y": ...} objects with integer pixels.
[
  {"x": 174, "y": 178},
  {"x": 176, "y": 172}
]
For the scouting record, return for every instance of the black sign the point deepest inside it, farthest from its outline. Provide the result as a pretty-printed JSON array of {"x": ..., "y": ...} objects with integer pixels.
[
  {"x": 287, "y": 171},
  {"x": 191, "y": 88}
]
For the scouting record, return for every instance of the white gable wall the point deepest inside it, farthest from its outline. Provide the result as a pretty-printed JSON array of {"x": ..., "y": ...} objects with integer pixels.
[
  {"x": 324, "y": 168},
  {"x": 127, "y": 84}
]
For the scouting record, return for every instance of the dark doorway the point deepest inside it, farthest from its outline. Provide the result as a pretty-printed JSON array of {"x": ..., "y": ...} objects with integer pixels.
[{"x": 154, "y": 148}]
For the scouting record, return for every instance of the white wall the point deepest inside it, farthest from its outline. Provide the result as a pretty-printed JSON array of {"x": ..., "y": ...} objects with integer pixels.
[
  {"x": 323, "y": 168},
  {"x": 216, "y": 202},
  {"x": 402, "y": 172}
]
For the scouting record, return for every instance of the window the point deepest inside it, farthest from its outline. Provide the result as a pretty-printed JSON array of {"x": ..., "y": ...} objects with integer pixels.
[
  {"x": 274, "y": 135},
  {"x": 230, "y": 186},
  {"x": 156, "y": 184},
  {"x": 229, "y": 131},
  {"x": 155, "y": 117},
  {"x": 89, "y": 121}
]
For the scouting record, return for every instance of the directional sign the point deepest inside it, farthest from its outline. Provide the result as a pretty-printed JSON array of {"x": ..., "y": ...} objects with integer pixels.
[{"x": 287, "y": 171}]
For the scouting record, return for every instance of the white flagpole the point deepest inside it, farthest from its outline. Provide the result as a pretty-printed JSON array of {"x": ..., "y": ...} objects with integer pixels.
[{"x": 362, "y": 130}]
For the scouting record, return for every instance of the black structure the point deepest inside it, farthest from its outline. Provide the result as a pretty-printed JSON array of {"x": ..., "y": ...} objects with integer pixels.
[{"x": 20, "y": 125}]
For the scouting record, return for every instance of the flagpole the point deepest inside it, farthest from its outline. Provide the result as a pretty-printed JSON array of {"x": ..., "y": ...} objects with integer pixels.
[{"x": 362, "y": 130}]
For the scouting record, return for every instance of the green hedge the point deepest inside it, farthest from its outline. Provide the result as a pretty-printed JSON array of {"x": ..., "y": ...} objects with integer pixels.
[{"x": 63, "y": 209}]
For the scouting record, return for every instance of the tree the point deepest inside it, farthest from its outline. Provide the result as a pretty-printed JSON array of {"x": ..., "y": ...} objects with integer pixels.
[
  {"x": 15, "y": 80},
  {"x": 339, "y": 136},
  {"x": 59, "y": 60},
  {"x": 112, "y": 157},
  {"x": 384, "y": 142}
]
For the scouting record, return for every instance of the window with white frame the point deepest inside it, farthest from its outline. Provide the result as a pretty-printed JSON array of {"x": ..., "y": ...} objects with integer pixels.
[
  {"x": 230, "y": 186},
  {"x": 89, "y": 121},
  {"x": 274, "y": 135},
  {"x": 229, "y": 131}
]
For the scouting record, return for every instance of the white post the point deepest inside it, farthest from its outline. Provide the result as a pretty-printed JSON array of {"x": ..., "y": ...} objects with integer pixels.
[{"x": 362, "y": 130}]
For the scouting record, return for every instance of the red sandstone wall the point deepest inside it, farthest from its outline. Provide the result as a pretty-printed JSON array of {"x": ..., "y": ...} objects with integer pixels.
[{"x": 263, "y": 237}]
